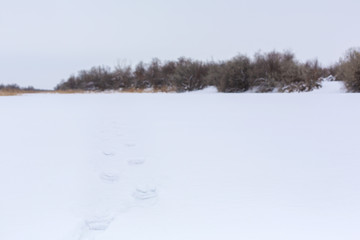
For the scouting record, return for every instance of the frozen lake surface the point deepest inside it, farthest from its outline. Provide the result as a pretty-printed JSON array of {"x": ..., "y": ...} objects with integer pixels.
[{"x": 200, "y": 165}]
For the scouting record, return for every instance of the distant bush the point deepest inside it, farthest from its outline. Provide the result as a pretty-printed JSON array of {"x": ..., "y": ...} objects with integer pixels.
[
  {"x": 348, "y": 70},
  {"x": 234, "y": 75},
  {"x": 139, "y": 77},
  {"x": 14, "y": 89},
  {"x": 189, "y": 75},
  {"x": 154, "y": 74},
  {"x": 265, "y": 71},
  {"x": 97, "y": 78},
  {"x": 9, "y": 87},
  {"x": 313, "y": 74},
  {"x": 276, "y": 71},
  {"x": 121, "y": 77}
]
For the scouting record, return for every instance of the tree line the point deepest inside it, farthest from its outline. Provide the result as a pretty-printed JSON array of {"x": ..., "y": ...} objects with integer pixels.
[
  {"x": 15, "y": 87},
  {"x": 264, "y": 72}
]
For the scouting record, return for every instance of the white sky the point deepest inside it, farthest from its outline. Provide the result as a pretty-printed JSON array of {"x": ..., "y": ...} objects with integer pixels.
[{"x": 43, "y": 41}]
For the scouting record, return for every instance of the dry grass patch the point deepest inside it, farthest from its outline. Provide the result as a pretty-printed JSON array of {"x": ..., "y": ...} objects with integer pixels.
[
  {"x": 69, "y": 91},
  {"x": 16, "y": 92},
  {"x": 132, "y": 90},
  {"x": 13, "y": 92},
  {"x": 5, "y": 93}
]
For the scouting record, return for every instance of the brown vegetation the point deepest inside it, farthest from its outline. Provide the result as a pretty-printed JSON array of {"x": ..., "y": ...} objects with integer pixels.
[
  {"x": 265, "y": 72},
  {"x": 348, "y": 70},
  {"x": 13, "y": 89}
]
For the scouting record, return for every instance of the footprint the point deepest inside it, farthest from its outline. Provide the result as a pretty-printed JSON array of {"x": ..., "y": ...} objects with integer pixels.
[
  {"x": 145, "y": 192},
  {"x": 98, "y": 223},
  {"x": 130, "y": 144},
  {"x": 136, "y": 161},
  {"x": 108, "y": 153},
  {"x": 109, "y": 177}
]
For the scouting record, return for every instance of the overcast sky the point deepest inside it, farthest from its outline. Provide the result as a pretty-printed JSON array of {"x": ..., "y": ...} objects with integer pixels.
[{"x": 44, "y": 41}]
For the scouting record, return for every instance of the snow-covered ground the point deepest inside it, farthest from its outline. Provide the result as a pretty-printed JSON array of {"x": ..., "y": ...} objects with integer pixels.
[
  {"x": 328, "y": 86},
  {"x": 180, "y": 166}
]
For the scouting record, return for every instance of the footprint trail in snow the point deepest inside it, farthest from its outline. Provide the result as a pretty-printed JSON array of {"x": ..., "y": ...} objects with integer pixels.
[{"x": 118, "y": 182}]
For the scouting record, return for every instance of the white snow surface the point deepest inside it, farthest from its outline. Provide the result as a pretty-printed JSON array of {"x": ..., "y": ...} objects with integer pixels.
[
  {"x": 330, "y": 87},
  {"x": 180, "y": 166}
]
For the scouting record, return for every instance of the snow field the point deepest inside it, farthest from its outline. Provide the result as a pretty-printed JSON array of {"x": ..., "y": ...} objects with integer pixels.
[{"x": 180, "y": 166}]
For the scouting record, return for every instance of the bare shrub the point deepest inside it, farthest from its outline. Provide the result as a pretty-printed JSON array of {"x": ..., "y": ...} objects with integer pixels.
[
  {"x": 140, "y": 81},
  {"x": 348, "y": 70},
  {"x": 154, "y": 74},
  {"x": 234, "y": 75},
  {"x": 214, "y": 73},
  {"x": 122, "y": 77},
  {"x": 189, "y": 75},
  {"x": 262, "y": 74},
  {"x": 97, "y": 78},
  {"x": 275, "y": 71},
  {"x": 168, "y": 71},
  {"x": 313, "y": 74}
]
